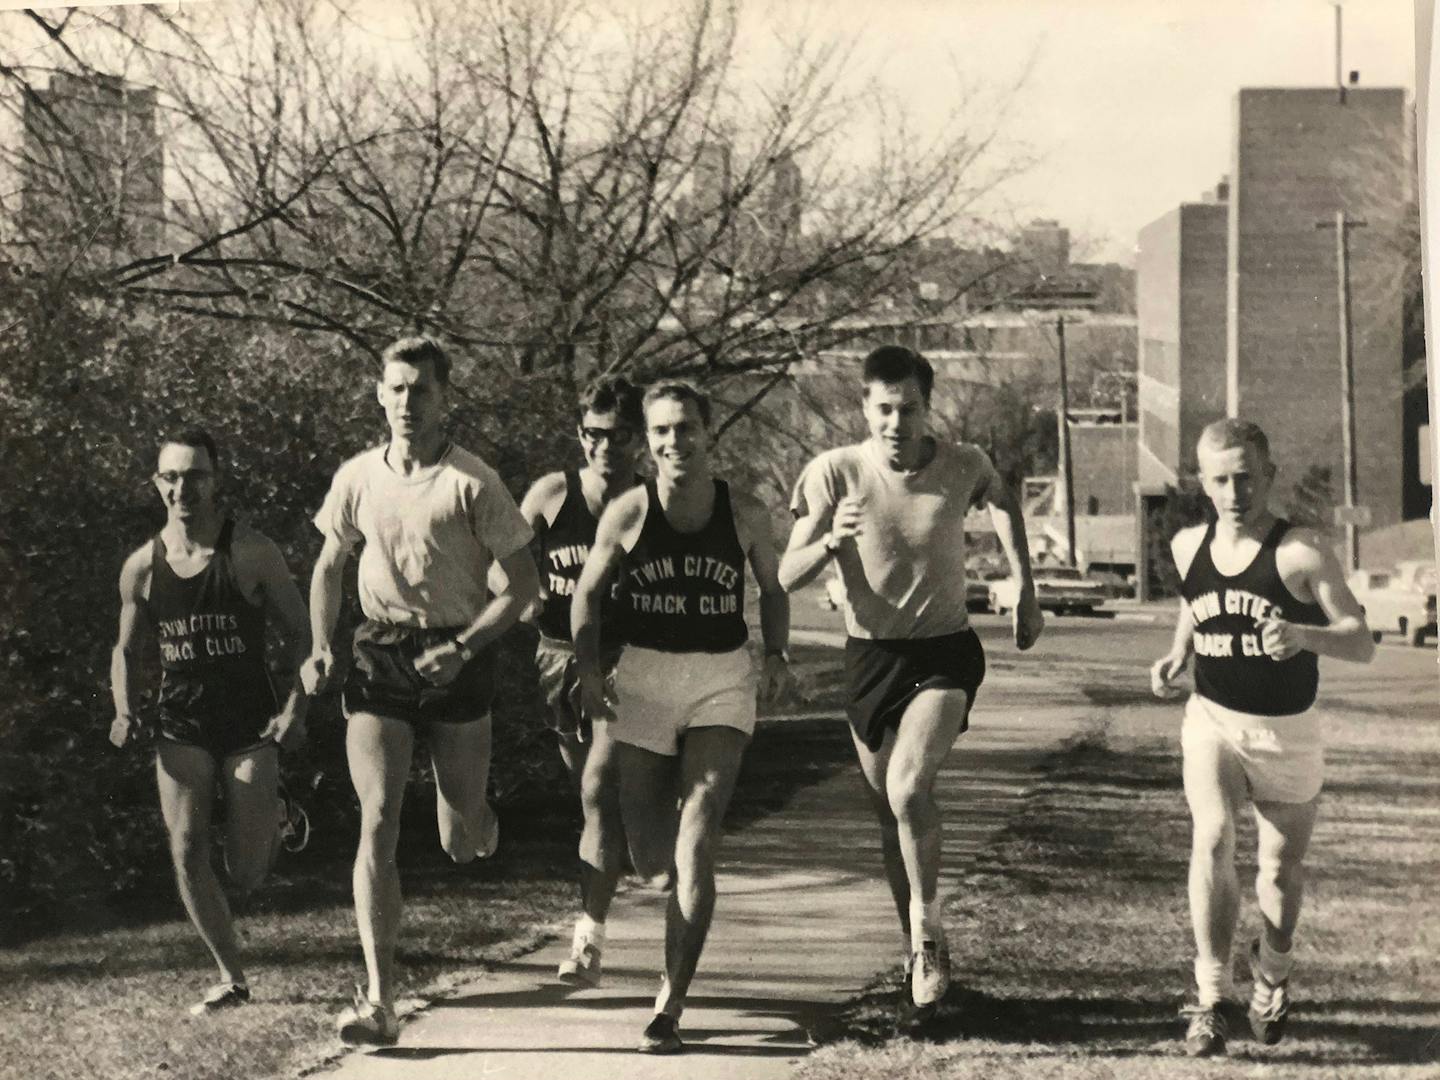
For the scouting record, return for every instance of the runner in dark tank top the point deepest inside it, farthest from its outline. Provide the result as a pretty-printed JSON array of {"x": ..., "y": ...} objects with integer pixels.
[{"x": 204, "y": 588}]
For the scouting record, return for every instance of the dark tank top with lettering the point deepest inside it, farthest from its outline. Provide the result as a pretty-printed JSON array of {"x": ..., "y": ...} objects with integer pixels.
[
  {"x": 685, "y": 592},
  {"x": 212, "y": 639},
  {"x": 1231, "y": 666},
  {"x": 567, "y": 544}
]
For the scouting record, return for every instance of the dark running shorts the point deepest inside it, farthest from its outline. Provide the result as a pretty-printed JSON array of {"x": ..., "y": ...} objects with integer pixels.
[
  {"x": 383, "y": 679},
  {"x": 560, "y": 684},
  {"x": 218, "y": 735},
  {"x": 883, "y": 676}
]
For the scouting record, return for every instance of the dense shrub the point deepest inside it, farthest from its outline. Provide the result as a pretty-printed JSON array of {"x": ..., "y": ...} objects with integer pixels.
[{"x": 86, "y": 387}]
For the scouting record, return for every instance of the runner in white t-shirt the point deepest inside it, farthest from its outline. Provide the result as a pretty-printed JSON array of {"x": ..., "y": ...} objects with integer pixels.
[
  {"x": 890, "y": 513},
  {"x": 429, "y": 519}
]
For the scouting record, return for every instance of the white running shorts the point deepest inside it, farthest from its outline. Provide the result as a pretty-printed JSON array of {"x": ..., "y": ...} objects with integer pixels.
[
  {"x": 1283, "y": 756},
  {"x": 662, "y": 695}
]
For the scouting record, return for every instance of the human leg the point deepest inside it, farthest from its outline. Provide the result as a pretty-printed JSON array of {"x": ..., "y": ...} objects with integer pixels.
[
  {"x": 379, "y": 750},
  {"x": 1283, "y": 833},
  {"x": 601, "y": 842},
  {"x": 1214, "y": 780},
  {"x": 460, "y": 754},
  {"x": 873, "y": 766},
  {"x": 185, "y": 776},
  {"x": 252, "y": 824},
  {"x": 709, "y": 764},
  {"x": 649, "y": 792}
]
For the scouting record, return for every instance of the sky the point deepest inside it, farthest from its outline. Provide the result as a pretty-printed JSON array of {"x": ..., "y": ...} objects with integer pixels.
[
  {"x": 1128, "y": 104},
  {"x": 1125, "y": 106}
]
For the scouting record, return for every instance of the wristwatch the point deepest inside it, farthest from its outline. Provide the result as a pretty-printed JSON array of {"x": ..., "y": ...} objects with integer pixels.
[
  {"x": 832, "y": 543},
  {"x": 781, "y": 653},
  {"x": 466, "y": 652}
]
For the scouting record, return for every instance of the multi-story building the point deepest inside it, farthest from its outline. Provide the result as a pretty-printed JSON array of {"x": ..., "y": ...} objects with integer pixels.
[
  {"x": 1301, "y": 156},
  {"x": 1238, "y": 303},
  {"x": 92, "y": 165}
]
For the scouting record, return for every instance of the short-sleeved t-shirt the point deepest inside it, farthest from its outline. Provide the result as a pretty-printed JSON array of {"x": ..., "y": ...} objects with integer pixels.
[
  {"x": 904, "y": 576},
  {"x": 429, "y": 538}
]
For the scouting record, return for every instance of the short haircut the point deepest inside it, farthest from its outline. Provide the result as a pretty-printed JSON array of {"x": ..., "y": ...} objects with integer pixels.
[
  {"x": 893, "y": 364},
  {"x": 1232, "y": 432},
  {"x": 194, "y": 437},
  {"x": 678, "y": 390},
  {"x": 416, "y": 351},
  {"x": 615, "y": 395}
]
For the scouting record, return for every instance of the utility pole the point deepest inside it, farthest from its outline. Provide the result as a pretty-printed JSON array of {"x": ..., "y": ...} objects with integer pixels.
[
  {"x": 1351, "y": 514},
  {"x": 1339, "y": 80},
  {"x": 1067, "y": 478}
]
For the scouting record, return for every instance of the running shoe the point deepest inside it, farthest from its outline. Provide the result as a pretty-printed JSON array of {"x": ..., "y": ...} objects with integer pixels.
[
  {"x": 367, "y": 1023},
  {"x": 582, "y": 967},
  {"x": 930, "y": 972},
  {"x": 660, "y": 1036},
  {"x": 294, "y": 823},
  {"x": 1205, "y": 1037},
  {"x": 1269, "y": 1003},
  {"x": 221, "y": 996}
]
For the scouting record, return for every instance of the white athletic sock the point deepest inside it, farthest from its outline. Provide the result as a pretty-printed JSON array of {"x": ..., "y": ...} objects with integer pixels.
[
  {"x": 1274, "y": 964},
  {"x": 1212, "y": 980},
  {"x": 587, "y": 929},
  {"x": 925, "y": 923}
]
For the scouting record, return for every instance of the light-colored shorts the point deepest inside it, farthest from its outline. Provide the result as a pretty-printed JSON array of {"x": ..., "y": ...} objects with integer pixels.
[
  {"x": 662, "y": 695},
  {"x": 1283, "y": 756},
  {"x": 560, "y": 684}
]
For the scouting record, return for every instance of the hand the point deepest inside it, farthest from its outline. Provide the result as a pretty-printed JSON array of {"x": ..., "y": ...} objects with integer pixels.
[
  {"x": 1164, "y": 672},
  {"x": 440, "y": 664},
  {"x": 287, "y": 728},
  {"x": 776, "y": 682},
  {"x": 121, "y": 728},
  {"x": 317, "y": 671},
  {"x": 597, "y": 695},
  {"x": 1028, "y": 620},
  {"x": 849, "y": 520},
  {"x": 1280, "y": 639}
]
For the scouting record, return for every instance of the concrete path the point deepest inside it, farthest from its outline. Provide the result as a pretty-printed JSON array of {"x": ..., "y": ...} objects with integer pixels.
[{"x": 802, "y": 923}]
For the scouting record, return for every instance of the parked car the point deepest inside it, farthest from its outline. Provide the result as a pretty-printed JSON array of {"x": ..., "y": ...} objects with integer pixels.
[
  {"x": 979, "y": 576},
  {"x": 1399, "y": 601},
  {"x": 1058, "y": 588}
]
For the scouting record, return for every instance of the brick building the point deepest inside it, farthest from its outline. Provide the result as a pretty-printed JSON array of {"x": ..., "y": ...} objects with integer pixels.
[
  {"x": 1299, "y": 156},
  {"x": 1238, "y": 307}
]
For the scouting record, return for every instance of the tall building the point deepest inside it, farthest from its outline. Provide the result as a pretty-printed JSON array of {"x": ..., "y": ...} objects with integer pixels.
[
  {"x": 1239, "y": 310},
  {"x": 92, "y": 165},
  {"x": 1180, "y": 309},
  {"x": 1045, "y": 246},
  {"x": 783, "y": 195},
  {"x": 1301, "y": 155}
]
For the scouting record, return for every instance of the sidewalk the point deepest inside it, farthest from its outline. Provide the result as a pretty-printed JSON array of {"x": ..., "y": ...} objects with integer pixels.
[{"x": 803, "y": 922}]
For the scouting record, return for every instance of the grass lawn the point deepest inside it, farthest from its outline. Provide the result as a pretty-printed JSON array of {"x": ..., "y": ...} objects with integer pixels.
[
  {"x": 1071, "y": 940},
  {"x": 110, "y": 1001}
]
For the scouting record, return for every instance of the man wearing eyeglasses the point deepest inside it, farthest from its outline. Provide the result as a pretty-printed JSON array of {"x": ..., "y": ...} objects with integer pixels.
[
  {"x": 563, "y": 509},
  {"x": 205, "y": 587}
]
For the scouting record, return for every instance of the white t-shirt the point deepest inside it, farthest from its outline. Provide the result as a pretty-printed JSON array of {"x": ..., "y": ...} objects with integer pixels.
[
  {"x": 429, "y": 537},
  {"x": 904, "y": 576}
]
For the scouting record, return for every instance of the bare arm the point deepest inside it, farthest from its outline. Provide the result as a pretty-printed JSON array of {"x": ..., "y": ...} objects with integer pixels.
[
  {"x": 285, "y": 607},
  {"x": 1347, "y": 637},
  {"x": 135, "y": 625},
  {"x": 759, "y": 543},
  {"x": 1169, "y": 667},
  {"x": 1009, "y": 524},
  {"x": 539, "y": 507},
  {"x": 505, "y": 607},
  {"x": 326, "y": 583},
  {"x": 620, "y": 519}
]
